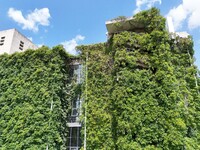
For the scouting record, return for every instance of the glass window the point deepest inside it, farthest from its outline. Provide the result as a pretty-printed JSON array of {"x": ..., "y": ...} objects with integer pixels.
[
  {"x": 21, "y": 45},
  {"x": 77, "y": 72},
  {"x": 74, "y": 142},
  {"x": 2, "y": 40}
]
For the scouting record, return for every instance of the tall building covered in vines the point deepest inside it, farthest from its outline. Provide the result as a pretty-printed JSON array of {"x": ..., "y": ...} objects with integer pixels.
[
  {"x": 137, "y": 91},
  {"x": 142, "y": 86}
]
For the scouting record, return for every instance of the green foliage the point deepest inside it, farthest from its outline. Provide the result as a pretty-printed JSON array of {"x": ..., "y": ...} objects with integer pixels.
[
  {"x": 142, "y": 90},
  {"x": 99, "y": 127},
  {"x": 30, "y": 83},
  {"x": 142, "y": 93},
  {"x": 151, "y": 19},
  {"x": 119, "y": 18}
]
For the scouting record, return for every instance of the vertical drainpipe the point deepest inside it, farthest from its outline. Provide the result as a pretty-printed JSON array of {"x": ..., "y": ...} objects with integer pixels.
[
  {"x": 85, "y": 118},
  {"x": 195, "y": 75},
  {"x": 51, "y": 108}
]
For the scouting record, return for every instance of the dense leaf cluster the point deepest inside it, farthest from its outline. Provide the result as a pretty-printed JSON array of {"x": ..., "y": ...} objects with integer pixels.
[
  {"x": 33, "y": 99},
  {"x": 143, "y": 90}
]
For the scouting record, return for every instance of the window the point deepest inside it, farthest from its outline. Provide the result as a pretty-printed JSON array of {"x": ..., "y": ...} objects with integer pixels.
[
  {"x": 75, "y": 110},
  {"x": 77, "y": 73},
  {"x": 2, "y": 40},
  {"x": 74, "y": 141},
  {"x": 21, "y": 45}
]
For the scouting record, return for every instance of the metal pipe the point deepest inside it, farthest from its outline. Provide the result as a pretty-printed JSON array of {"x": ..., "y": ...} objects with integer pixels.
[{"x": 85, "y": 118}]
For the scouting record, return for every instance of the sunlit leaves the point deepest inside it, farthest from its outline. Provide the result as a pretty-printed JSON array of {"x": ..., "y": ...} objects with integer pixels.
[
  {"x": 30, "y": 81},
  {"x": 148, "y": 96}
]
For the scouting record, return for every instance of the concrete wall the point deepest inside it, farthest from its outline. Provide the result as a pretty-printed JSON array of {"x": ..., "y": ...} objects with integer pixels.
[
  {"x": 14, "y": 42},
  {"x": 20, "y": 43},
  {"x": 8, "y": 34}
]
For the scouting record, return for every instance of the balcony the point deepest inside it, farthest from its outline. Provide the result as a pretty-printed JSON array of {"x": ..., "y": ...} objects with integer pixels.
[{"x": 123, "y": 24}]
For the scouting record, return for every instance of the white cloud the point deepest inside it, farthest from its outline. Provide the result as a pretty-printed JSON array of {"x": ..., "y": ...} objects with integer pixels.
[
  {"x": 146, "y": 3},
  {"x": 178, "y": 14},
  {"x": 40, "y": 45},
  {"x": 32, "y": 20},
  {"x": 71, "y": 44},
  {"x": 187, "y": 12},
  {"x": 194, "y": 19}
]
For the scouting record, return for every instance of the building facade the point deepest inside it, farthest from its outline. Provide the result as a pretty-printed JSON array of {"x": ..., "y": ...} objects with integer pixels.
[
  {"x": 117, "y": 75},
  {"x": 74, "y": 122},
  {"x": 13, "y": 41}
]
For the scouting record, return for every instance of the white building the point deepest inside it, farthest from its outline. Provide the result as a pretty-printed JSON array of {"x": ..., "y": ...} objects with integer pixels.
[{"x": 12, "y": 41}]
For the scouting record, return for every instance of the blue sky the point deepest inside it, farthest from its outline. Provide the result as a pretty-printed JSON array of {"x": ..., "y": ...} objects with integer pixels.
[{"x": 74, "y": 22}]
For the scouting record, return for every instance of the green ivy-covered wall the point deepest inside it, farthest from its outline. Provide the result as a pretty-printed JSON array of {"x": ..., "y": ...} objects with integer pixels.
[
  {"x": 35, "y": 94},
  {"x": 142, "y": 90},
  {"x": 142, "y": 93}
]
